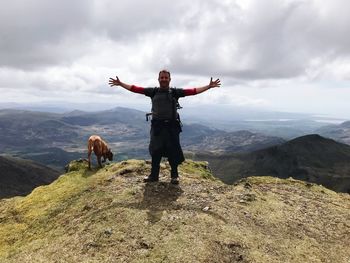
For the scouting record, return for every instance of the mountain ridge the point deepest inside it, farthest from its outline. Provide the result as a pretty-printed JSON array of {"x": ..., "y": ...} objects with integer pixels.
[
  {"x": 110, "y": 215},
  {"x": 311, "y": 158}
]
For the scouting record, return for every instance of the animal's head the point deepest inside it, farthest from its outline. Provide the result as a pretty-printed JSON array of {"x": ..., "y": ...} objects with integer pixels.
[{"x": 109, "y": 155}]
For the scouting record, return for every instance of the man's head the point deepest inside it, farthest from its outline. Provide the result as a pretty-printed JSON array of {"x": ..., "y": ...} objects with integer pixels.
[{"x": 164, "y": 78}]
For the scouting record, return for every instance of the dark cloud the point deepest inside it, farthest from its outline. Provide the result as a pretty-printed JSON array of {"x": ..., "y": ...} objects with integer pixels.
[
  {"x": 38, "y": 32},
  {"x": 265, "y": 40},
  {"x": 269, "y": 40},
  {"x": 42, "y": 33}
]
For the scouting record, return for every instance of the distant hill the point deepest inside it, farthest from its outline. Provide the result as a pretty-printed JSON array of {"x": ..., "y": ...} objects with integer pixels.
[
  {"x": 21, "y": 129},
  {"x": 310, "y": 158},
  {"x": 339, "y": 132},
  {"x": 116, "y": 115},
  {"x": 53, "y": 139},
  {"x": 198, "y": 138},
  {"x": 110, "y": 215},
  {"x": 41, "y": 129},
  {"x": 20, "y": 177}
]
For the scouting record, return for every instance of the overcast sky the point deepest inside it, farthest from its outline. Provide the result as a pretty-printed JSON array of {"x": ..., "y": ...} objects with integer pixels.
[{"x": 270, "y": 54}]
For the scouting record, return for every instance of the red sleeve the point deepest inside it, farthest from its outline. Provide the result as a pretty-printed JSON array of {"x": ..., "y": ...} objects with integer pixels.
[
  {"x": 189, "y": 92},
  {"x": 137, "y": 89}
]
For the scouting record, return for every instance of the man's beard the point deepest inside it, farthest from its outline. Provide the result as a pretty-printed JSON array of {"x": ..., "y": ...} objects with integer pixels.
[{"x": 164, "y": 84}]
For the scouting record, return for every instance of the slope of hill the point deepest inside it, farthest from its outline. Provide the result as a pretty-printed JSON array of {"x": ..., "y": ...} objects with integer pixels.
[
  {"x": 109, "y": 215},
  {"x": 53, "y": 157},
  {"x": 310, "y": 158},
  {"x": 339, "y": 132},
  {"x": 20, "y": 177}
]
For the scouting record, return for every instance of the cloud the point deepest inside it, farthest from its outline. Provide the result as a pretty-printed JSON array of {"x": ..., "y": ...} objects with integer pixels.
[
  {"x": 257, "y": 40},
  {"x": 69, "y": 49},
  {"x": 267, "y": 40},
  {"x": 36, "y": 33}
]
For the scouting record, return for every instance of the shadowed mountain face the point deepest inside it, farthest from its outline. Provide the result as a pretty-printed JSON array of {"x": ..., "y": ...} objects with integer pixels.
[
  {"x": 20, "y": 177},
  {"x": 310, "y": 158}
]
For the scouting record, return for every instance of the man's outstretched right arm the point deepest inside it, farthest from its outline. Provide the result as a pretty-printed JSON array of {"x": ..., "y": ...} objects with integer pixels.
[{"x": 133, "y": 88}]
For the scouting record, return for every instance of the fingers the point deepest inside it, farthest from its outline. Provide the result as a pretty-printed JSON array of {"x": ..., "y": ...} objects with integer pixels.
[
  {"x": 215, "y": 83},
  {"x": 114, "y": 82},
  {"x": 111, "y": 82}
]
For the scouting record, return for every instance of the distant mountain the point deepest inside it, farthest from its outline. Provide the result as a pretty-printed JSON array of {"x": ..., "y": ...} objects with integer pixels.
[
  {"x": 54, "y": 139},
  {"x": 33, "y": 129},
  {"x": 311, "y": 158},
  {"x": 285, "y": 125},
  {"x": 210, "y": 140},
  {"x": 346, "y": 124},
  {"x": 29, "y": 134},
  {"x": 339, "y": 132},
  {"x": 20, "y": 177},
  {"x": 41, "y": 129},
  {"x": 116, "y": 115}
]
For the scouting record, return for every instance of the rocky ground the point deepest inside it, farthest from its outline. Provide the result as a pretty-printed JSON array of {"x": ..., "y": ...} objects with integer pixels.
[{"x": 110, "y": 215}]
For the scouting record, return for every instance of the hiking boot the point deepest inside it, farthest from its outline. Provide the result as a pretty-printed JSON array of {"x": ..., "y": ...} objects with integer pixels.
[
  {"x": 174, "y": 180},
  {"x": 174, "y": 173},
  {"x": 149, "y": 179}
]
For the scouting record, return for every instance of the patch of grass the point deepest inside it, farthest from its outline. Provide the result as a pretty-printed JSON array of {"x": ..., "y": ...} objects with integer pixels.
[
  {"x": 196, "y": 169},
  {"x": 270, "y": 180},
  {"x": 35, "y": 213}
]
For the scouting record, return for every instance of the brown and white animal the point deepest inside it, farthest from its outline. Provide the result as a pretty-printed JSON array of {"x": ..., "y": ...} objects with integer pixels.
[{"x": 100, "y": 148}]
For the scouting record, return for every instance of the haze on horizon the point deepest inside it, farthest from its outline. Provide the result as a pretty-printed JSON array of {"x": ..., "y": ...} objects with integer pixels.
[{"x": 270, "y": 55}]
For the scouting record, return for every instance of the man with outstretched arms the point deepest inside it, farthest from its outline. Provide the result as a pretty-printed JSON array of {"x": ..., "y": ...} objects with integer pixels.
[{"x": 166, "y": 127}]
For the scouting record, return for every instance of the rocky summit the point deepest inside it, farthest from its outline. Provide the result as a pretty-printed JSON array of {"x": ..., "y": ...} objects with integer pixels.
[{"x": 110, "y": 215}]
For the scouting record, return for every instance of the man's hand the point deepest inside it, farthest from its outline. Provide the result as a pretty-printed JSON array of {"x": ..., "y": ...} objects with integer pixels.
[
  {"x": 115, "y": 82},
  {"x": 214, "y": 84}
]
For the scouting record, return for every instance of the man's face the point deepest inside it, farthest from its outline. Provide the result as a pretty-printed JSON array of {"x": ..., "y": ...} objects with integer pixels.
[{"x": 164, "y": 80}]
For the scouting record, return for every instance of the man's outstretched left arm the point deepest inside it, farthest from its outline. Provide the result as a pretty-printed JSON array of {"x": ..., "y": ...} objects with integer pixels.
[{"x": 212, "y": 84}]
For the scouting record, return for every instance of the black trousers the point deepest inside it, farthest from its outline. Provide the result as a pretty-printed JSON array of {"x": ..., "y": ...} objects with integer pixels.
[
  {"x": 156, "y": 158},
  {"x": 165, "y": 142}
]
